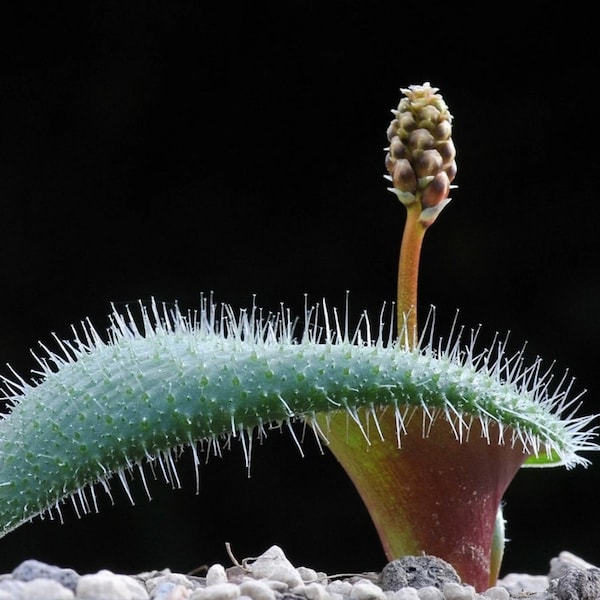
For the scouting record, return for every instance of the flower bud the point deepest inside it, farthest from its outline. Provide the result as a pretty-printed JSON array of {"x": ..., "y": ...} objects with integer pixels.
[
  {"x": 404, "y": 177},
  {"x": 436, "y": 191},
  {"x": 407, "y": 122},
  {"x": 447, "y": 152},
  {"x": 442, "y": 131},
  {"x": 397, "y": 149},
  {"x": 420, "y": 139},
  {"x": 429, "y": 163},
  {"x": 392, "y": 130},
  {"x": 451, "y": 171},
  {"x": 429, "y": 114}
]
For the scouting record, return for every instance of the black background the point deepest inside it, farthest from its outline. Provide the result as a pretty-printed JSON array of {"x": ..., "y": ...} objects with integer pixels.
[{"x": 165, "y": 149}]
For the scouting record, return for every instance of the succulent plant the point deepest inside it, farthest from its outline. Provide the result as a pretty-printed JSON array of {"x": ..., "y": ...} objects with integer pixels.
[{"x": 431, "y": 433}]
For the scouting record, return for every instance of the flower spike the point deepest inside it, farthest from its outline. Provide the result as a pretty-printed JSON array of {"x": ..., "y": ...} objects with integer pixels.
[
  {"x": 421, "y": 165},
  {"x": 421, "y": 156}
]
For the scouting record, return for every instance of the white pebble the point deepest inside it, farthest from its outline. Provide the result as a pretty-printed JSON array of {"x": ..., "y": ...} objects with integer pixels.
[
  {"x": 257, "y": 590},
  {"x": 286, "y": 574},
  {"x": 430, "y": 592},
  {"x": 307, "y": 575},
  {"x": 365, "y": 590},
  {"x": 219, "y": 591},
  {"x": 179, "y": 592},
  {"x": 496, "y": 593},
  {"x": 216, "y": 574},
  {"x": 516, "y": 583},
  {"x": 12, "y": 588},
  {"x": 276, "y": 586},
  {"x": 167, "y": 581},
  {"x": 267, "y": 562},
  {"x": 314, "y": 591},
  {"x": 456, "y": 591},
  {"x": 47, "y": 589},
  {"x": 161, "y": 591},
  {"x": 337, "y": 586},
  {"x": 105, "y": 584},
  {"x": 405, "y": 593}
]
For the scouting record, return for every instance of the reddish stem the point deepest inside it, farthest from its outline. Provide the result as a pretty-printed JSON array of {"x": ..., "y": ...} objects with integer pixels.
[{"x": 408, "y": 273}]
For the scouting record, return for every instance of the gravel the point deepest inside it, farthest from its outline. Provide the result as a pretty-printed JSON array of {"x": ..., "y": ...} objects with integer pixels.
[{"x": 271, "y": 576}]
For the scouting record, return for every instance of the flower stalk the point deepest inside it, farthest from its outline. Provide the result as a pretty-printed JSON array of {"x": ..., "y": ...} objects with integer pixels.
[
  {"x": 421, "y": 166},
  {"x": 408, "y": 275}
]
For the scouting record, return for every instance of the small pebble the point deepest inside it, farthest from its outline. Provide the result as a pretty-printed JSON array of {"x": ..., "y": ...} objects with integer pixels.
[
  {"x": 105, "y": 584},
  {"x": 236, "y": 574},
  {"x": 521, "y": 583},
  {"x": 168, "y": 590},
  {"x": 496, "y": 593},
  {"x": 307, "y": 575},
  {"x": 266, "y": 564},
  {"x": 337, "y": 586},
  {"x": 35, "y": 569},
  {"x": 11, "y": 587},
  {"x": 288, "y": 575},
  {"x": 405, "y": 593},
  {"x": 257, "y": 590},
  {"x": 365, "y": 590},
  {"x": 48, "y": 589},
  {"x": 314, "y": 591},
  {"x": 430, "y": 592},
  {"x": 456, "y": 591},
  {"x": 276, "y": 586},
  {"x": 179, "y": 592},
  {"x": 168, "y": 580},
  {"x": 160, "y": 591},
  {"x": 216, "y": 574},
  {"x": 219, "y": 591}
]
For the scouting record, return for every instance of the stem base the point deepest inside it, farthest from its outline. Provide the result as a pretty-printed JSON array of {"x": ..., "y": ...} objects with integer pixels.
[{"x": 434, "y": 495}]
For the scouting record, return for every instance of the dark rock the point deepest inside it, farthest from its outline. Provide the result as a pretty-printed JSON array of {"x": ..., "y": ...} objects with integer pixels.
[
  {"x": 417, "y": 572},
  {"x": 31, "y": 569},
  {"x": 578, "y": 584}
]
